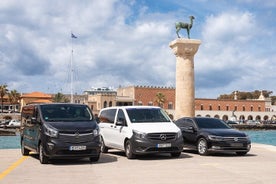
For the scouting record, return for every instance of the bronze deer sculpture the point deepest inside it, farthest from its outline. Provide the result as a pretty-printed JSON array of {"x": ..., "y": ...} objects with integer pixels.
[{"x": 183, "y": 25}]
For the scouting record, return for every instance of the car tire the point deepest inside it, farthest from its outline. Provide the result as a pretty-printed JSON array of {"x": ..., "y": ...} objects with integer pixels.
[
  {"x": 176, "y": 154},
  {"x": 202, "y": 147},
  {"x": 24, "y": 151},
  {"x": 104, "y": 149},
  {"x": 129, "y": 150},
  {"x": 94, "y": 159},
  {"x": 42, "y": 158},
  {"x": 241, "y": 153}
]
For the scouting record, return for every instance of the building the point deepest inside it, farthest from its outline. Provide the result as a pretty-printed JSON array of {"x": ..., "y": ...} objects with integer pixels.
[
  {"x": 98, "y": 98},
  {"x": 256, "y": 109},
  {"x": 259, "y": 109},
  {"x": 8, "y": 106},
  {"x": 34, "y": 97}
]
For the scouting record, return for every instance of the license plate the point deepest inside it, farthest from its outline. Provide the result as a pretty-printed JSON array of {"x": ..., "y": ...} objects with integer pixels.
[
  {"x": 164, "y": 145},
  {"x": 236, "y": 144},
  {"x": 77, "y": 148}
]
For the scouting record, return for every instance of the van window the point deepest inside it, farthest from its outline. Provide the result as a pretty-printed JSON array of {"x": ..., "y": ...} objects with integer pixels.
[
  {"x": 66, "y": 112},
  {"x": 147, "y": 115},
  {"x": 107, "y": 116},
  {"x": 121, "y": 117}
]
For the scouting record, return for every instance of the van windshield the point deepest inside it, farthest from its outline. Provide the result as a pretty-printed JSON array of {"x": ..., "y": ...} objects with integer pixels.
[
  {"x": 65, "y": 112},
  {"x": 151, "y": 115}
]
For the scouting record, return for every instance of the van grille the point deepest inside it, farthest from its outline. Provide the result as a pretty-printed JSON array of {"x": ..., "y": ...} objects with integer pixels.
[
  {"x": 161, "y": 136},
  {"x": 76, "y": 137}
]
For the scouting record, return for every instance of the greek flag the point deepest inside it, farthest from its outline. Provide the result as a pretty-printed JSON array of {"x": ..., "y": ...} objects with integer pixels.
[{"x": 73, "y": 36}]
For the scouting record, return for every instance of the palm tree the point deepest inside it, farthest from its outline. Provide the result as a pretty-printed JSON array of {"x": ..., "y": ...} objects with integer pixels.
[
  {"x": 59, "y": 97},
  {"x": 160, "y": 99},
  {"x": 14, "y": 97},
  {"x": 3, "y": 92}
]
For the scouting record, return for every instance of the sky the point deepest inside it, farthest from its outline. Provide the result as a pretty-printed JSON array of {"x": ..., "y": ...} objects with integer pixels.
[{"x": 126, "y": 43}]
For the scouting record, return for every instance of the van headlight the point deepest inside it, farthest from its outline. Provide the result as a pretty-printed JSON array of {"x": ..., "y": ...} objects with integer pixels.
[
  {"x": 96, "y": 132},
  {"x": 51, "y": 132},
  {"x": 179, "y": 134},
  {"x": 139, "y": 135}
]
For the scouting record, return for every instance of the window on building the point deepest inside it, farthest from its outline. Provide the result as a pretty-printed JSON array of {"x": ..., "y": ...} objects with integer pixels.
[
  {"x": 140, "y": 103},
  {"x": 236, "y": 108},
  {"x": 243, "y": 108},
  {"x": 219, "y": 107},
  {"x": 170, "y": 105},
  {"x": 110, "y": 104},
  {"x": 251, "y": 108},
  {"x": 150, "y": 103},
  {"x": 105, "y": 104},
  {"x": 227, "y": 107},
  {"x": 210, "y": 107},
  {"x": 201, "y": 107},
  {"x": 259, "y": 108}
]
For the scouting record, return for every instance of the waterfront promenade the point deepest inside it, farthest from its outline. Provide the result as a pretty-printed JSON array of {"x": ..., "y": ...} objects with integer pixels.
[{"x": 257, "y": 167}]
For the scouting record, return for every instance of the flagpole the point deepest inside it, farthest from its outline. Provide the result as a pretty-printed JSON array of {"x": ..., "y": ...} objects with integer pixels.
[{"x": 71, "y": 71}]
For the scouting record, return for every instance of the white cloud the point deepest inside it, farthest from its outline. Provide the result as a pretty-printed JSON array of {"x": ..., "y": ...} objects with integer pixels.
[{"x": 119, "y": 44}]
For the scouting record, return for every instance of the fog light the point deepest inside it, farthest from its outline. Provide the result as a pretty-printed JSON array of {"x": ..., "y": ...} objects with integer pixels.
[
  {"x": 215, "y": 147},
  {"x": 51, "y": 146}
]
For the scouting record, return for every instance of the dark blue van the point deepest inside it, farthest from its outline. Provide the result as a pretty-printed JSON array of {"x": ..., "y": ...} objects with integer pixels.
[{"x": 59, "y": 130}]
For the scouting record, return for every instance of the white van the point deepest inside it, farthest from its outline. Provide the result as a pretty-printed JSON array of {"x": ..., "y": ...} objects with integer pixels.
[{"x": 139, "y": 130}]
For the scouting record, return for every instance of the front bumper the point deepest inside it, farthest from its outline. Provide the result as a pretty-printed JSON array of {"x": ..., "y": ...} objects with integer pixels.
[
  {"x": 147, "y": 146},
  {"x": 229, "y": 146},
  {"x": 56, "y": 148}
]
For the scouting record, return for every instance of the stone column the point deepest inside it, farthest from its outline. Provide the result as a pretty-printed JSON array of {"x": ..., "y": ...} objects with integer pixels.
[{"x": 184, "y": 50}]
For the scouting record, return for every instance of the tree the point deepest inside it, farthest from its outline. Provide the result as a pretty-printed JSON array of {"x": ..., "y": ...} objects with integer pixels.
[
  {"x": 160, "y": 99},
  {"x": 14, "y": 96},
  {"x": 245, "y": 95},
  {"x": 59, "y": 97},
  {"x": 3, "y": 92}
]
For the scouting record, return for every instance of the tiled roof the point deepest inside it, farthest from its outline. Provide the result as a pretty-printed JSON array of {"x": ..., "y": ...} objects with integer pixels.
[{"x": 36, "y": 94}]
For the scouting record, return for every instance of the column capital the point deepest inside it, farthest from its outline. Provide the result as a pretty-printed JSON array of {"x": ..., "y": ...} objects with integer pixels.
[{"x": 185, "y": 47}]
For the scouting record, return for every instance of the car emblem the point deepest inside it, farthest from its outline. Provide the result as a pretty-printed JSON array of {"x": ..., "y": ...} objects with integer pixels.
[
  {"x": 77, "y": 135},
  {"x": 163, "y": 137},
  {"x": 236, "y": 139}
]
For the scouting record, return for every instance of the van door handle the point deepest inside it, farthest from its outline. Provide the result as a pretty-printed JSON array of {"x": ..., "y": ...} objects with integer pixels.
[{"x": 111, "y": 126}]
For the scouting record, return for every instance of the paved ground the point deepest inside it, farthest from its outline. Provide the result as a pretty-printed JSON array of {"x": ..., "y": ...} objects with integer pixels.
[{"x": 259, "y": 166}]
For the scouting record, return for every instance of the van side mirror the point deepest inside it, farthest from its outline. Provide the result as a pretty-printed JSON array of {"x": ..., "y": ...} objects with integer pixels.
[
  {"x": 33, "y": 120},
  {"x": 189, "y": 129},
  {"x": 121, "y": 122}
]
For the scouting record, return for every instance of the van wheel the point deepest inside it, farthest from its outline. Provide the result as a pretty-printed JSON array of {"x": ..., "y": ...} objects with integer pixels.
[
  {"x": 42, "y": 158},
  {"x": 129, "y": 150},
  {"x": 104, "y": 149},
  {"x": 202, "y": 147},
  {"x": 94, "y": 159},
  {"x": 24, "y": 151}
]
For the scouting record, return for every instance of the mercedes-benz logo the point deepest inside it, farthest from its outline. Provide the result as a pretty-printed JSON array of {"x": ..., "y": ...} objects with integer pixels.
[
  {"x": 77, "y": 135},
  {"x": 163, "y": 137}
]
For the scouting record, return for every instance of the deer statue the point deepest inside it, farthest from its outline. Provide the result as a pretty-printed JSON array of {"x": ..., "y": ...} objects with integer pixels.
[{"x": 183, "y": 25}]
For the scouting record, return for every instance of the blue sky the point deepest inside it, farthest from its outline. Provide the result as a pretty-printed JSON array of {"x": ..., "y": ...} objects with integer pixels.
[{"x": 126, "y": 42}]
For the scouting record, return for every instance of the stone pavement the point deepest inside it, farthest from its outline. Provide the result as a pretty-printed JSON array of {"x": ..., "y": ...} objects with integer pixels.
[{"x": 258, "y": 166}]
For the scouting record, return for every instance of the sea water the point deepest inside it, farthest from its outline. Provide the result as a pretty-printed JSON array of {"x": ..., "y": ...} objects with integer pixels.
[
  {"x": 256, "y": 136},
  {"x": 262, "y": 136}
]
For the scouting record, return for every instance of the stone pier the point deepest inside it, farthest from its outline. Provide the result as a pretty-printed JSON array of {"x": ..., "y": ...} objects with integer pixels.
[{"x": 184, "y": 50}]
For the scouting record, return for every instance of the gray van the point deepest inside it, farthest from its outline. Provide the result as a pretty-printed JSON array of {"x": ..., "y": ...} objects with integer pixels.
[{"x": 59, "y": 130}]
